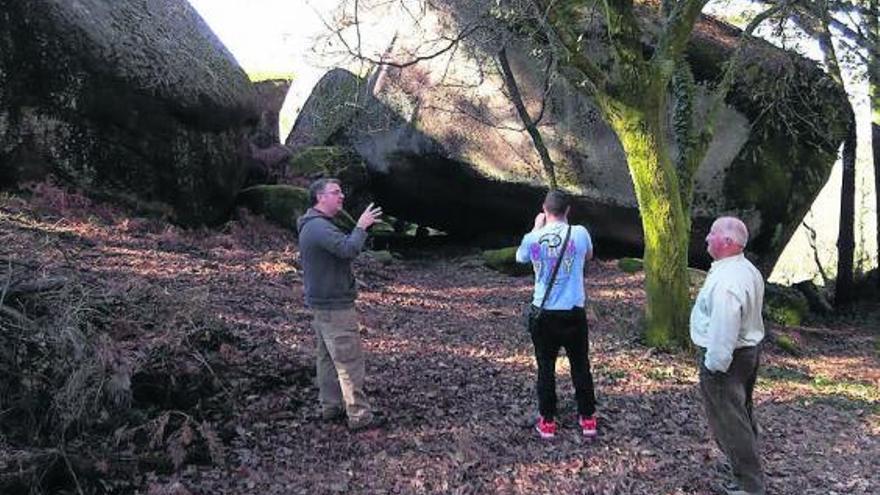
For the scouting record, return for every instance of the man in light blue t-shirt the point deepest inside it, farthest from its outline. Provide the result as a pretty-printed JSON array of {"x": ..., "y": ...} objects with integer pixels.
[{"x": 563, "y": 322}]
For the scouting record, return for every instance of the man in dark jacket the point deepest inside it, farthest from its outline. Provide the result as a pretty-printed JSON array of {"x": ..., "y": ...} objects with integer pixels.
[{"x": 330, "y": 291}]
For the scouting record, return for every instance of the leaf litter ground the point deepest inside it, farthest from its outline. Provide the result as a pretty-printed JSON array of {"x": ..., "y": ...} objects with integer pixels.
[{"x": 452, "y": 369}]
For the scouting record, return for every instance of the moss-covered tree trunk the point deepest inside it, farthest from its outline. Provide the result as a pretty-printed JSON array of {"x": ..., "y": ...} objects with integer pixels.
[
  {"x": 633, "y": 98},
  {"x": 634, "y": 102},
  {"x": 640, "y": 125}
]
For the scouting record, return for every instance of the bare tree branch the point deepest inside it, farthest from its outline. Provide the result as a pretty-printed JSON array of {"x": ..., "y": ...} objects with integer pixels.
[
  {"x": 811, "y": 238},
  {"x": 679, "y": 26},
  {"x": 452, "y": 43},
  {"x": 727, "y": 80},
  {"x": 516, "y": 98},
  {"x": 568, "y": 48}
]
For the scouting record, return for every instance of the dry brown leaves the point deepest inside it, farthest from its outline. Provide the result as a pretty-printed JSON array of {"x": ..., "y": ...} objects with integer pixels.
[{"x": 450, "y": 365}]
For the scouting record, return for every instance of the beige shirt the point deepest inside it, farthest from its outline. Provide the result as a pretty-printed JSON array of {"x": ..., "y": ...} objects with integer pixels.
[{"x": 727, "y": 313}]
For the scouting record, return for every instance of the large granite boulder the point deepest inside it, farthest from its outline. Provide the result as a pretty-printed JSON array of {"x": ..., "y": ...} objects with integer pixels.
[
  {"x": 444, "y": 146},
  {"x": 329, "y": 110},
  {"x": 129, "y": 98}
]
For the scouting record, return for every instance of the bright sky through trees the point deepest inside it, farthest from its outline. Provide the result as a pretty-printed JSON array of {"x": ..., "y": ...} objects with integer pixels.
[{"x": 263, "y": 35}]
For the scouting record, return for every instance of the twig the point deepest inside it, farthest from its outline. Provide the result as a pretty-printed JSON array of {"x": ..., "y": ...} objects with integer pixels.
[
  {"x": 198, "y": 356},
  {"x": 71, "y": 471}
]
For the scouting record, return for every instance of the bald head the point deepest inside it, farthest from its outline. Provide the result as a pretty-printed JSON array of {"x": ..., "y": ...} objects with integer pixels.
[
  {"x": 735, "y": 229},
  {"x": 727, "y": 237}
]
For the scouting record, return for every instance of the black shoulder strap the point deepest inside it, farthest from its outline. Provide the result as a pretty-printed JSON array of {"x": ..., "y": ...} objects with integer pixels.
[{"x": 556, "y": 268}]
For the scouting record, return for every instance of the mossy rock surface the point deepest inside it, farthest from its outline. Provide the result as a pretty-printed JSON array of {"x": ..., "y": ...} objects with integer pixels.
[
  {"x": 504, "y": 261},
  {"x": 283, "y": 205},
  {"x": 384, "y": 256},
  {"x": 331, "y": 106},
  {"x": 280, "y": 204},
  {"x": 325, "y": 161},
  {"x": 382, "y": 228},
  {"x": 630, "y": 265},
  {"x": 785, "y": 305}
]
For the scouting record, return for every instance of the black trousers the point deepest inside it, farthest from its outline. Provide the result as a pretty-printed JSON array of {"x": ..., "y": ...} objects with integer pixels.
[
  {"x": 727, "y": 398},
  {"x": 565, "y": 329}
]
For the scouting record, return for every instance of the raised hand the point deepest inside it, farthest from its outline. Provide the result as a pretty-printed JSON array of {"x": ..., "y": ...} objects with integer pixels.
[
  {"x": 540, "y": 221},
  {"x": 370, "y": 215}
]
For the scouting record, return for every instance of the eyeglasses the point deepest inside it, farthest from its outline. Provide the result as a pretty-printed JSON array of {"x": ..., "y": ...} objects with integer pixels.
[{"x": 335, "y": 192}]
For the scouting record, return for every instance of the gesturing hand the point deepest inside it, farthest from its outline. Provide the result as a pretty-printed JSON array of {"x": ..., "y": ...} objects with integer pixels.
[{"x": 369, "y": 216}]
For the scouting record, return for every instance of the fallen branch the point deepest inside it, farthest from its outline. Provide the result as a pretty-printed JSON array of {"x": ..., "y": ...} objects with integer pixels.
[{"x": 15, "y": 315}]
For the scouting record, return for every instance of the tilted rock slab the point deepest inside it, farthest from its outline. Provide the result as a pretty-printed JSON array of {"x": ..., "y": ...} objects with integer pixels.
[{"x": 445, "y": 147}]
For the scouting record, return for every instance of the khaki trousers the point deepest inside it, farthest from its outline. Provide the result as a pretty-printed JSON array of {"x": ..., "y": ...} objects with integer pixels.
[{"x": 340, "y": 364}]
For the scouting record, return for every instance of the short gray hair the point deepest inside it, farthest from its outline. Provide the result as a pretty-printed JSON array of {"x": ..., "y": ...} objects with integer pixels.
[
  {"x": 317, "y": 187},
  {"x": 735, "y": 229}
]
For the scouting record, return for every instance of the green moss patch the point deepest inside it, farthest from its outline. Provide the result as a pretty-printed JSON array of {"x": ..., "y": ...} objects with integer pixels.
[
  {"x": 784, "y": 373},
  {"x": 384, "y": 257},
  {"x": 844, "y": 394},
  {"x": 630, "y": 265},
  {"x": 283, "y": 205},
  {"x": 504, "y": 261},
  {"x": 788, "y": 344},
  {"x": 280, "y": 204},
  {"x": 785, "y": 305}
]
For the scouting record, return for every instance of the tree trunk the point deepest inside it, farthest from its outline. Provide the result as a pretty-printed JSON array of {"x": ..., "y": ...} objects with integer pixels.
[
  {"x": 845, "y": 235},
  {"x": 874, "y": 90},
  {"x": 664, "y": 220},
  {"x": 875, "y": 144}
]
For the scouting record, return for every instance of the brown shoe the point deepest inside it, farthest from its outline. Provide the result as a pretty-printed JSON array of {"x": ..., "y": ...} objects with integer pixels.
[{"x": 371, "y": 422}]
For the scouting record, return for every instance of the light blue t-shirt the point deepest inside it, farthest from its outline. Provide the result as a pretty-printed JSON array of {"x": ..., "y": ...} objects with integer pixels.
[{"x": 542, "y": 248}]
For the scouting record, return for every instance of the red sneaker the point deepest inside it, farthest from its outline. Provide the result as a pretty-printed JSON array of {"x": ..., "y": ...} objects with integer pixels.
[
  {"x": 588, "y": 425},
  {"x": 547, "y": 429}
]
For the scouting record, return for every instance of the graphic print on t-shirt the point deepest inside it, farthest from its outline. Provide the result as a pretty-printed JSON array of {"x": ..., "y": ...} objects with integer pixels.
[{"x": 552, "y": 254}]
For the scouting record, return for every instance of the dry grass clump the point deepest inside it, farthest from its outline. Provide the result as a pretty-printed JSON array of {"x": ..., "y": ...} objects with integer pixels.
[
  {"x": 101, "y": 377},
  {"x": 91, "y": 371}
]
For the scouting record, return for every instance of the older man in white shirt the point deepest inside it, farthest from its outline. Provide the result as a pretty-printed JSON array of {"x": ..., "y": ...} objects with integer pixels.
[{"x": 726, "y": 324}]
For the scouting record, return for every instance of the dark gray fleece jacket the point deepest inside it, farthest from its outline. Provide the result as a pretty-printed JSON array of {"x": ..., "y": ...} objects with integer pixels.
[{"x": 326, "y": 254}]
